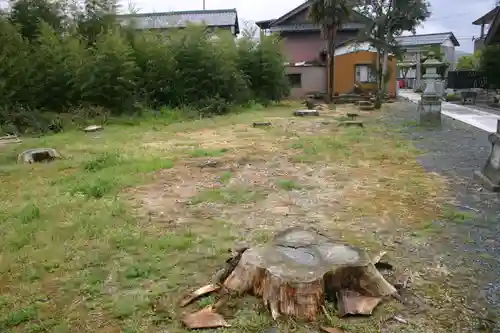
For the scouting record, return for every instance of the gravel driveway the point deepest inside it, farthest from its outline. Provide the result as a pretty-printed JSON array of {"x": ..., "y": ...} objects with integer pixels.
[{"x": 455, "y": 151}]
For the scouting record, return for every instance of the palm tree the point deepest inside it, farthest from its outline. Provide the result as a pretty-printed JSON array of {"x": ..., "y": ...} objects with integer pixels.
[{"x": 330, "y": 15}]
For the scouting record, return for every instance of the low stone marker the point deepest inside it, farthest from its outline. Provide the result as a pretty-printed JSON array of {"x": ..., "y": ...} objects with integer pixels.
[
  {"x": 302, "y": 113},
  {"x": 38, "y": 155},
  {"x": 489, "y": 176},
  {"x": 93, "y": 128},
  {"x": 261, "y": 124},
  {"x": 351, "y": 123}
]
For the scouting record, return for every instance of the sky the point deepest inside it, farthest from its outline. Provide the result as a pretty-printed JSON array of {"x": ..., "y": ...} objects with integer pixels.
[{"x": 447, "y": 15}]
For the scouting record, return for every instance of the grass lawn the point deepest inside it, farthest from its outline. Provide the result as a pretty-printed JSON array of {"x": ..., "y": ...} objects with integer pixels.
[{"x": 109, "y": 238}]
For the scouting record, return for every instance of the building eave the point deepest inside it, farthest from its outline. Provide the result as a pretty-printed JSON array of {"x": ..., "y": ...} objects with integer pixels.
[{"x": 486, "y": 18}]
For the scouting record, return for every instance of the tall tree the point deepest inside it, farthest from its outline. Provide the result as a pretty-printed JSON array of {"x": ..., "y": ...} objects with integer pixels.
[
  {"x": 490, "y": 64},
  {"x": 97, "y": 16},
  {"x": 469, "y": 62},
  {"x": 390, "y": 18},
  {"x": 330, "y": 15},
  {"x": 28, "y": 14}
]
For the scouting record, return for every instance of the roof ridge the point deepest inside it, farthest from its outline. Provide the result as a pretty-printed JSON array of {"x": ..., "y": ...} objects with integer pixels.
[
  {"x": 196, "y": 11},
  {"x": 430, "y": 34}
]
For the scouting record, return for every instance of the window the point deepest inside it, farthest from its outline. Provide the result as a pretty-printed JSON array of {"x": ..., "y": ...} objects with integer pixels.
[
  {"x": 295, "y": 80},
  {"x": 364, "y": 74}
]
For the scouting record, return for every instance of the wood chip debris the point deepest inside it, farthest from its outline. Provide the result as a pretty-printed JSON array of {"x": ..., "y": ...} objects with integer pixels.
[
  {"x": 353, "y": 303},
  {"x": 205, "y": 290},
  {"x": 205, "y": 318}
]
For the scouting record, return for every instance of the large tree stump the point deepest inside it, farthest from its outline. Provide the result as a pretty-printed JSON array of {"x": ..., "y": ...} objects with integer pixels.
[{"x": 298, "y": 269}]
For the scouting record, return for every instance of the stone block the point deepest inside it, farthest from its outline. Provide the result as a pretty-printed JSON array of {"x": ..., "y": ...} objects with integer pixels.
[
  {"x": 93, "y": 128},
  {"x": 370, "y": 107},
  {"x": 302, "y": 113},
  {"x": 365, "y": 103},
  {"x": 8, "y": 139},
  {"x": 351, "y": 123}
]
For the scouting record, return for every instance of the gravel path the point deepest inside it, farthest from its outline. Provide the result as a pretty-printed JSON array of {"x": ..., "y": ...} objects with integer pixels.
[{"x": 455, "y": 151}]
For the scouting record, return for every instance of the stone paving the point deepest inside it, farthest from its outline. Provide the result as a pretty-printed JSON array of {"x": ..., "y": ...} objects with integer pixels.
[
  {"x": 455, "y": 151},
  {"x": 486, "y": 121}
]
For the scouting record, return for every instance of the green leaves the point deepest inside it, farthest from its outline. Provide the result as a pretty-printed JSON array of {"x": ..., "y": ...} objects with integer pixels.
[
  {"x": 490, "y": 64},
  {"x": 123, "y": 70}
]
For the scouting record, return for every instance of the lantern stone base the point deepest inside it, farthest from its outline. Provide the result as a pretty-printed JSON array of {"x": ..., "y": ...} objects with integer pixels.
[
  {"x": 482, "y": 179},
  {"x": 489, "y": 176},
  {"x": 430, "y": 112}
]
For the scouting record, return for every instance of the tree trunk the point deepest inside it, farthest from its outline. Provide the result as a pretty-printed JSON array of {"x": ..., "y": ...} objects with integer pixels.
[
  {"x": 299, "y": 269},
  {"x": 332, "y": 61},
  {"x": 385, "y": 65},
  {"x": 379, "y": 80},
  {"x": 329, "y": 61}
]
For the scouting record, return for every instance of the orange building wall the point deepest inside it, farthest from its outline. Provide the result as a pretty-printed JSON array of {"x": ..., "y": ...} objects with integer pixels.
[{"x": 345, "y": 71}]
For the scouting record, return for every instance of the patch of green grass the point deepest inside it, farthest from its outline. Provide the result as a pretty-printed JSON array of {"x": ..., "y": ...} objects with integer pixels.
[
  {"x": 29, "y": 213},
  {"x": 317, "y": 148},
  {"x": 74, "y": 263},
  {"x": 104, "y": 160},
  {"x": 94, "y": 188},
  {"x": 459, "y": 216},
  {"x": 225, "y": 177},
  {"x": 230, "y": 195},
  {"x": 288, "y": 184},
  {"x": 199, "y": 152},
  {"x": 17, "y": 317}
]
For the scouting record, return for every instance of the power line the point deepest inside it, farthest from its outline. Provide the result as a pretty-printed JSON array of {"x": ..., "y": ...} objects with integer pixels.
[{"x": 432, "y": 18}]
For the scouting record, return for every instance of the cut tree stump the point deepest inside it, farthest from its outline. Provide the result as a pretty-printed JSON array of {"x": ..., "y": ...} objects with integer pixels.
[
  {"x": 38, "y": 155},
  {"x": 261, "y": 124},
  {"x": 300, "y": 268}
]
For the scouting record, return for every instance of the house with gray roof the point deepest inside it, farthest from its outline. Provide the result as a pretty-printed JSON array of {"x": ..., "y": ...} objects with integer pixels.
[
  {"x": 492, "y": 34},
  {"x": 226, "y": 19},
  {"x": 415, "y": 45}
]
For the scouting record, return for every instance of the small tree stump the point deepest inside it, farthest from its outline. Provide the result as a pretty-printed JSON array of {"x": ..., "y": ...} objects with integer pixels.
[
  {"x": 38, "y": 155},
  {"x": 351, "y": 123},
  {"x": 298, "y": 269},
  {"x": 261, "y": 124},
  {"x": 302, "y": 113}
]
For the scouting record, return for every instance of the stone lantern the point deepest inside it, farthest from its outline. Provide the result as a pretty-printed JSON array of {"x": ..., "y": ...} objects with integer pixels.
[{"x": 430, "y": 102}]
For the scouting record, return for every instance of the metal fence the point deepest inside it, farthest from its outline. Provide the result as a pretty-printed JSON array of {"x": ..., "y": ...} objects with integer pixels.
[{"x": 467, "y": 80}]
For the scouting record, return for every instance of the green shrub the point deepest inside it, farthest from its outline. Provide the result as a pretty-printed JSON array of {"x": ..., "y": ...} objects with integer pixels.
[
  {"x": 451, "y": 98},
  {"x": 93, "y": 69}
]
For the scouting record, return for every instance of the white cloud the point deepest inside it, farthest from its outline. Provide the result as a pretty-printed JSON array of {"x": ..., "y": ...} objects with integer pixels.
[{"x": 447, "y": 15}]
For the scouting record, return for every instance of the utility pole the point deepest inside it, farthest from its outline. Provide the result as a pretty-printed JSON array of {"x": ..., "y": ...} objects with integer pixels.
[{"x": 204, "y": 4}]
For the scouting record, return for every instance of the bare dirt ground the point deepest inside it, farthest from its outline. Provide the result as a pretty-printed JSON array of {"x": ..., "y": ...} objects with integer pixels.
[
  {"x": 361, "y": 185},
  {"x": 131, "y": 221}
]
